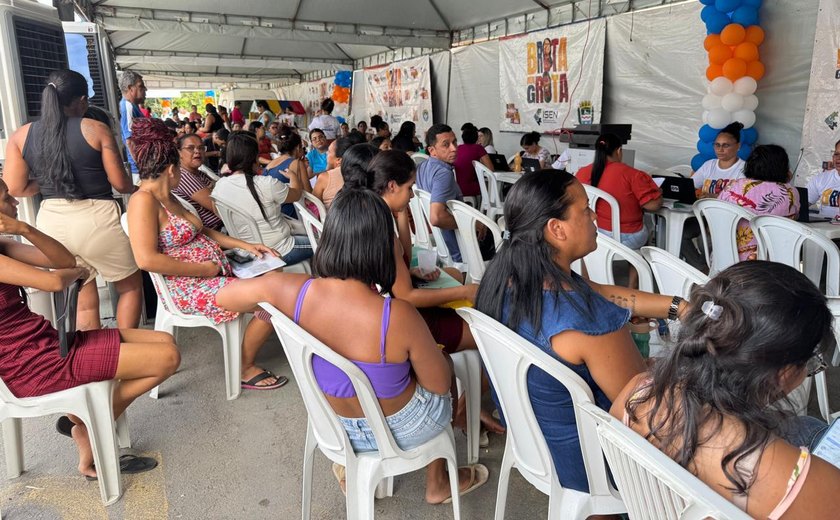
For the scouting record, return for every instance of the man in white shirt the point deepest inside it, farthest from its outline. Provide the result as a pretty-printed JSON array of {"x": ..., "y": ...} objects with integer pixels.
[{"x": 821, "y": 186}]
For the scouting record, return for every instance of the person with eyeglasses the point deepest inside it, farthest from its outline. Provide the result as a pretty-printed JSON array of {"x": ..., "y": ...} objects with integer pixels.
[
  {"x": 715, "y": 174},
  {"x": 824, "y": 188},
  {"x": 195, "y": 186},
  {"x": 718, "y": 402}
]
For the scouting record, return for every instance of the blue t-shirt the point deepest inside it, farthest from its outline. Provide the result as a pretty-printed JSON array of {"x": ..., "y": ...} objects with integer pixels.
[
  {"x": 550, "y": 400},
  {"x": 279, "y": 173},
  {"x": 438, "y": 178},
  {"x": 317, "y": 160},
  {"x": 128, "y": 113}
]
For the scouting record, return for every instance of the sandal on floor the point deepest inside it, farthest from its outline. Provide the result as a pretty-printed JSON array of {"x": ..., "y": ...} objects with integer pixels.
[
  {"x": 251, "y": 384},
  {"x": 478, "y": 477},
  {"x": 64, "y": 426},
  {"x": 341, "y": 476},
  {"x": 130, "y": 464}
]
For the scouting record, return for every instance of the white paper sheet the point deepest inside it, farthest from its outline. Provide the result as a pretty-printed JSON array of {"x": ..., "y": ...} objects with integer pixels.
[{"x": 257, "y": 266}]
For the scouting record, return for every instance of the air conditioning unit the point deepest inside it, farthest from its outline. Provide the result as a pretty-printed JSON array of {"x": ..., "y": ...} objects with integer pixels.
[
  {"x": 31, "y": 46},
  {"x": 89, "y": 54}
]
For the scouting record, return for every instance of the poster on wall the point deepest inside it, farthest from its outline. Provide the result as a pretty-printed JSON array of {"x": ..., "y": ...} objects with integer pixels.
[
  {"x": 400, "y": 92},
  {"x": 314, "y": 92},
  {"x": 552, "y": 78},
  {"x": 822, "y": 107}
]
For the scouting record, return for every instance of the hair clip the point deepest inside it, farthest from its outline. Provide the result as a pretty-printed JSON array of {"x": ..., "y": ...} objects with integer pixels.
[
  {"x": 711, "y": 310},
  {"x": 506, "y": 235},
  {"x": 51, "y": 84}
]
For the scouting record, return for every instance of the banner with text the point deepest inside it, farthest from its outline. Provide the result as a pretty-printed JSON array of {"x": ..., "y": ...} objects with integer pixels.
[
  {"x": 400, "y": 92},
  {"x": 552, "y": 78},
  {"x": 822, "y": 108}
]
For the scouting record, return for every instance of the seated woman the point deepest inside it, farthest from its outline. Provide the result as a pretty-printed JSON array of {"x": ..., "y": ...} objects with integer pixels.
[
  {"x": 382, "y": 143},
  {"x": 194, "y": 185},
  {"x": 261, "y": 197},
  {"x": 331, "y": 181},
  {"x": 530, "y": 287},
  {"x": 530, "y": 144},
  {"x": 169, "y": 240},
  {"x": 823, "y": 187},
  {"x": 30, "y": 363},
  {"x": 765, "y": 191},
  {"x": 485, "y": 139},
  {"x": 290, "y": 163},
  {"x": 468, "y": 152},
  {"x": 258, "y": 129},
  {"x": 385, "y": 337},
  {"x": 751, "y": 336},
  {"x": 405, "y": 140}
]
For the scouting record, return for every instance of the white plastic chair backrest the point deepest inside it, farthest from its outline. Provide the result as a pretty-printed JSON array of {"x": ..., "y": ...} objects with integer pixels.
[
  {"x": 466, "y": 218},
  {"x": 322, "y": 210},
  {"x": 721, "y": 218},
  {"x": 313, "y": 226},
  {"x": 782, "y": 240},
  {"x": 594, "y": 195},
  {"x": 159, "y": 283},
  {"x": 489, "y": 186},
  {"x": 300, "y": 347},
  {"x": 482, "y": 186},
  {"x": 682, "y": 169},
  {"x": 672, "y": 275},
  {"x": 184, "y": 202},
  {"x": 418, "y": 158},
  {"x": 208, "y": 172},
  {"x": 834, "y": 307},
  {"x": 231, "y": 216},
  {"x": 599, "y": 263},
  {"x": 421, "y": 229},
  {"x": 652, "y": 485},
  {"x": 440, "y": 244},
  {"x": 507, "y": 358}
]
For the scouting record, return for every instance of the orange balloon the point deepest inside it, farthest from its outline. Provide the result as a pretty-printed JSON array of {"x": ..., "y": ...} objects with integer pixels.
[
  {"x": 755, "y": 70},
  {"x": 734, "y": 69},
  {"x": 712, "y": 40},
  {"x": 733, "y": 34},
  {"x": 714, "y": 71},
  {"x": 755, "y": 34},
  {"x": 720, "y": 54},
  {"x": 746, "y": 51}
]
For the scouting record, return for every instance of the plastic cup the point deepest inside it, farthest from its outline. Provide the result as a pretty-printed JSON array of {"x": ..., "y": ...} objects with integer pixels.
[{"x": 426, "y": 261}]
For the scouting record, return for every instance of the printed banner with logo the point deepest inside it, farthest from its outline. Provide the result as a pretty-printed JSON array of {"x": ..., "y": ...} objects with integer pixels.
[
  {"x": 551, "y": 76},
  {"x": 401, "y": 92},
  {"x": 822, "y": 108}
]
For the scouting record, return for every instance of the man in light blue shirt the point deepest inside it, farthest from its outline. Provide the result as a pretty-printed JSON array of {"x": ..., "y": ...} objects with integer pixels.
[
  {"x": 133, "y": 95},
  {"x": 436, "y": 176},
  {"x": 317, "y": 156}
]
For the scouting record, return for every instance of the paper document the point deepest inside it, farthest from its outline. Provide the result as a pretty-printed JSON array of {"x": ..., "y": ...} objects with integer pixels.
[
  {"x": 257, "y": 266},
  {"x": 828, "y": 448}
]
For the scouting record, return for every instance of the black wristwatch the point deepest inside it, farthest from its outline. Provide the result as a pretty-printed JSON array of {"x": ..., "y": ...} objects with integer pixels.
[{"x": 674, "y": 308}]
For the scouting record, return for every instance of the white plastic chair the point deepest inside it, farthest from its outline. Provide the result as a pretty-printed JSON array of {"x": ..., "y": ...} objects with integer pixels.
[
  {"x": 168, "y": 317},
  {"x": 466, "y": 217},
  {"x": 672, "y": 275},
  {"x": 653, "y": 485},
  {"x": 491, "y": 201},
  {"x": 599, "y": 263},
  {"x": 594, "y": 195},
  {"x": 421, "y": 229},
  {"x": 425, "y": 199},
  {"x": 322, "y": 210},
  {"x": 507, "y": 358},
  {"x": 208, "y": 172},
  {"x": 365, "y": 472},
  {"x": 418, "y": 158},
  {"x": 184, "y": 202},
  {"x": 722, "y": 219},
  {"x": 313, "y": 226}
]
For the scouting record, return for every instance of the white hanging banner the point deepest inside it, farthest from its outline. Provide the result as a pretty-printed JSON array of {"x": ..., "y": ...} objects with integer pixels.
[
  {"x": 822, "y": 108},
  {"x": 552, "y": 78},
  {"x": 400, "y": 92}
]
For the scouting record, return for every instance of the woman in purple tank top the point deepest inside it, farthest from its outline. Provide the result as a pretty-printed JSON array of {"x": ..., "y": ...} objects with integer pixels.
[{"x": 411, "y": 377}]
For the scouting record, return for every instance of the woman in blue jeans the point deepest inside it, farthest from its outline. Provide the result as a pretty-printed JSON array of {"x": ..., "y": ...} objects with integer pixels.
[{"x": 530, "y": 287}]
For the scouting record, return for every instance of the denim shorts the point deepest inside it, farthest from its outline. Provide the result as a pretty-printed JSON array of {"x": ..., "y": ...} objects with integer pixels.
[
  {"x": 420, "y": 420},
  {"x": 634, "y": 241}
]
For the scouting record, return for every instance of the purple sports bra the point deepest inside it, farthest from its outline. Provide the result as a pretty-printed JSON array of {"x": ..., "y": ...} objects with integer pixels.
[{"x": 387, "y": 379}]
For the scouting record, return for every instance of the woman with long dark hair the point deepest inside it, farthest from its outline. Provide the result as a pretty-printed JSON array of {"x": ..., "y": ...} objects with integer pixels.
[
  {"x": 262, "y": 198},
  {"x": 74, "y": 164},
  {"x": 405, "y": 139},
  {"x": 749, "y": 337},
  {"x": 530, "y": 288},
  {"x": 290, "y": 163},
  {"x": 212, "y": 120}
]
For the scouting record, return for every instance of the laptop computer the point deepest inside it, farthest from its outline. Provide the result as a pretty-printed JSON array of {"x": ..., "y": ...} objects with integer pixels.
[
  {"x": 805, "y": 213},
  {"x": 499, "y": 161},
  {"x": 678, "y": 188},
  {"x": 530, "y": 165}
]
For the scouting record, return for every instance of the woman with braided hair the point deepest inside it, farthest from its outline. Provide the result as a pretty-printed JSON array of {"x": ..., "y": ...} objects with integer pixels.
[{"x": 168, "y": 240}]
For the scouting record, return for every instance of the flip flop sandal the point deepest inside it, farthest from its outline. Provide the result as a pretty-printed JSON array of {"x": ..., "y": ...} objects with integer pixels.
[
  {"x": 130, "y": 464},
  {"x": 341, "y": 476},
  {"x": 251, "y": 384},
  {"x": 478, "y": 477},
  {"x": 64, "y": 425}
]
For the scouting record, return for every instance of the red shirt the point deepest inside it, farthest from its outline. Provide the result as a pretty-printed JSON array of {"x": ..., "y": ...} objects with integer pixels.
[
  {"x": 630, "y": 187},
  {"x": 265, "y": 148},
  {"x": 464, "y": 170},
  {"x": 236, "y": 116}
]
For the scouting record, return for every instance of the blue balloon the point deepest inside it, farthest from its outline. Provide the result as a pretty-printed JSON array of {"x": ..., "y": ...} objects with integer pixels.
[
  {"x": 341, "y": 120},
  {"x": 752, "y": 3},
  {"x": 749, "y": 136},
  {"x": 707, "y": 2},
  {"x": 727, "y": 6},
  {"x": 745, "y": 151},
  {"x": 708, "y": 134},
  {"x": 745, "y": 16},
  {"x": 706, "y": 148},
  {"x": 717, "y": 22},
  {"x": 698, "y": 160},
  {"x": 707, "y": 13}
]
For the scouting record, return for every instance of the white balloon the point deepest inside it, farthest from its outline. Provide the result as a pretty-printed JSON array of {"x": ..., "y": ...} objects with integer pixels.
[
  {"x": 721, "y": 86},
  {"x": 732, "y": 102},
  {"x": 711, "y": 101},
  {"x": 705, "y": 117},
  {"x": 750, "y": 102},
  {"x": 745, "y": 117},
  {"x": 719, "y": 118},
  {"x": 745, "y": 86}
]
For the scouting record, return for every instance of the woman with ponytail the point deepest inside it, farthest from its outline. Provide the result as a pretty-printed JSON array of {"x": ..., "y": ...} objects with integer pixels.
[
  {"x": 530, "y": 288},
  {"x": 169, "y": 240},
  {"x": 261, "y": 197},
  {"x": 748, "y": 339},
  {"x": 74, "y": 164}
]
